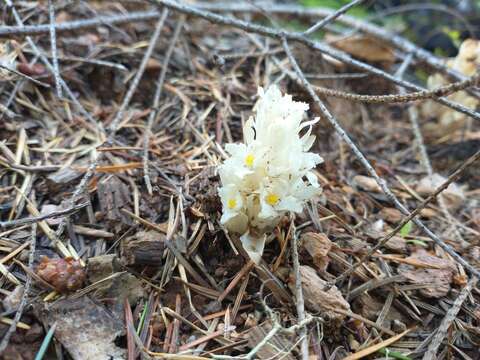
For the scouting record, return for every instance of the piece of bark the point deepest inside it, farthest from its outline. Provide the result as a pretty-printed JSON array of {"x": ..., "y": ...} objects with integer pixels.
[
  {"x": 370, "y": 306},
  {"x": 62, "y": 177},
  {"x": 100, "y": 267},
  {"x": 397, "y": 244},
  {"x": 437, "y": 281},
  {"x": 85, "y": 328},
  {"x": 144, "y": 248},
  {"x": 317, "y": 245},
  {"x": 113, "y": 195},
  {"x": 317, "y": 299}
]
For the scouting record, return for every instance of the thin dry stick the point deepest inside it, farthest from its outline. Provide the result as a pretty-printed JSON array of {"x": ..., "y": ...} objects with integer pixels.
[
  {"x": 136, "y": 80},
  {"x": 26, "y": 290},
  {"x": 332, "y": 17},
  {"x": 403, "y": 96},
  {"x": 156, "y": 103},
  {"x": 35, "y": 219},
  {"x": 299, "y": 293},
  {"x": 53, "y": 41},
  {"x": 9, "y": 31},
  {"x": 430, "y": 354},
  {"x": 45, "y": 85},
  {"x": 315, "y": 45},
  {"x": 381, "y": 182}
]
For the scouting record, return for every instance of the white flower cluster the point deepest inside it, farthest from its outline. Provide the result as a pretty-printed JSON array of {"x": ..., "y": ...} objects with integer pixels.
[{"x": 271, "y": 173}]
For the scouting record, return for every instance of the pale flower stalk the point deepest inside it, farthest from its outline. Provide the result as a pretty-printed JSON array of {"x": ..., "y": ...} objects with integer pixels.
[{"x": 270, "y": 174}]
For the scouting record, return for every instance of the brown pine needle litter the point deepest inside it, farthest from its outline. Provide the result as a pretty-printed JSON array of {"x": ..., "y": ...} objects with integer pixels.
[{"x": 114, "y": 118}]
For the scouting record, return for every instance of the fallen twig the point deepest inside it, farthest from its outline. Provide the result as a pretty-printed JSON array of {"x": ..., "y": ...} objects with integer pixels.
[
  {"x": 319, "y": 25},
  {"x": 35, "y": 219},
  {"x": 403, "y": 96}
]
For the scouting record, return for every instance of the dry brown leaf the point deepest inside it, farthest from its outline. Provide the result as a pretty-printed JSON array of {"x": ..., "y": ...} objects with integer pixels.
[
  {"x": 318, "y": 246},
  {"x": 391, "y": 215},
  {"x": 437, "y": 281},
  {"x": 365, "y": 48},
  {"x": 319, "y": 300},
  {"x": 366, "y": 183},
  {"x": 396, "y": 243}
]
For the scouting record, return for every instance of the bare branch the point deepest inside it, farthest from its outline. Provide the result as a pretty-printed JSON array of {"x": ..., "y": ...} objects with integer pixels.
[
  {"x": 403, "y": 96},
  {"x": 52, "y": 215},
  {"x": 9, "y": 31},
  {"x": 332, "y": 17}
]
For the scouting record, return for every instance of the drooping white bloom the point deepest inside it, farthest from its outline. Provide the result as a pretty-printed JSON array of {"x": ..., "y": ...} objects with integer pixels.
[{"x": 270, "y": 174}]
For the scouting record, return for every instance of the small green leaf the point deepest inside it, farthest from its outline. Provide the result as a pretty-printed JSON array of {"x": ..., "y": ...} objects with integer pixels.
[
  {"x": 393, "y": 354},
  {"x": 417, "y": 242},
  {"x": 406, "y": 229}
]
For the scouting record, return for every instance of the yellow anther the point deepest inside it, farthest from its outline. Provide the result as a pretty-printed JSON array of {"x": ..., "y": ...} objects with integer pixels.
[
  {"x": 232, "y": 203},
  {"x": 272, "y": 199},
  {"x": 249, "y": 160}
]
